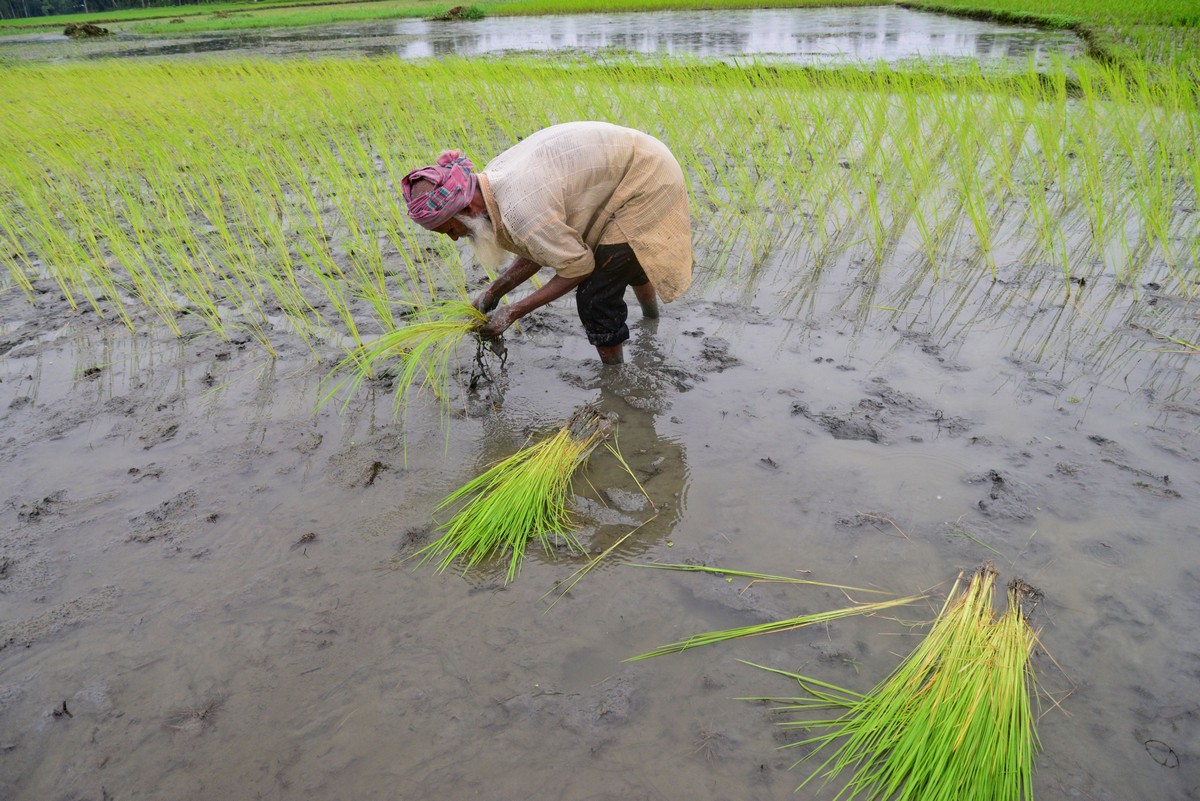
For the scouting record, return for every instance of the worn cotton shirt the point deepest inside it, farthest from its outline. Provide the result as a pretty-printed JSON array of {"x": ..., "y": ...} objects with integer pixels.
[{"x": 559, "y": 193}]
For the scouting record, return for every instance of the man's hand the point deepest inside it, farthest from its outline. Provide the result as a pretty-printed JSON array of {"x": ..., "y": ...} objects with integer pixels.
[
  {"x": 498, "y": 322},
  {"x": 485, "y": 301}
]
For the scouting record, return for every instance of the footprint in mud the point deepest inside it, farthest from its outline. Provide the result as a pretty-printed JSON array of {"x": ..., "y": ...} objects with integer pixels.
[
  {"x": 1101, "y": 552},
  {"x": 28, "y": 512},
  {"x": 30, "y": 630},
  {"x": 308, "y": 442},
  {"x": 863, "y": 422},
  {"x": 715, "y": 356},
  {"x": 139, "y": 474},
  {"x": 1006, "y": 497},
  {"x": 613, "y": 702},
  {"x": 164, "y": 520},
  {"x": 739, "y": 313},
  {"x": 883, "y": 415},
  {"x": 1108, "y": 448},
  {"x": 1113, "y": 611},
  {"x": 157, "y": 432},
  {"x": 928, "y": 346},
  {"x": 361, "y": 465}
]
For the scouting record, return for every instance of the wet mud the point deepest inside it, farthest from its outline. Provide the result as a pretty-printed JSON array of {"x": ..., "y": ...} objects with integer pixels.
[{"x": 207, "y": 585}]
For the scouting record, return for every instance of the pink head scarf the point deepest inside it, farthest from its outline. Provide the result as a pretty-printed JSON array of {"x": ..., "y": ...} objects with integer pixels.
[{"x": 453, "y": 188}]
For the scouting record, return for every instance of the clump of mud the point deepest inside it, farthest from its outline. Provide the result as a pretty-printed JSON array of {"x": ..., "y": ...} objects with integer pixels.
[
  {"x": 84, "y": 30},
  {"x": 1006, "y": 497},
  {"x": 881, "y": 416}
]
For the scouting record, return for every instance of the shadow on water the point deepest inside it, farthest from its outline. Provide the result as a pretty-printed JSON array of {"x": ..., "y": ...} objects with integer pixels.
[{"x": 807, "y": 36}]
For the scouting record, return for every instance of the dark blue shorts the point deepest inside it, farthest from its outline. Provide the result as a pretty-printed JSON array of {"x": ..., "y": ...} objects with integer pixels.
[{"x": 600, "y": 299}]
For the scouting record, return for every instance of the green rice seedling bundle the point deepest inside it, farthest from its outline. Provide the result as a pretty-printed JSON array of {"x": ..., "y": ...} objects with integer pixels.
[
  {"x": 420, "y": 354},
  {"x": 519, "y": 498},
  {"x": 953, "y": 721}
]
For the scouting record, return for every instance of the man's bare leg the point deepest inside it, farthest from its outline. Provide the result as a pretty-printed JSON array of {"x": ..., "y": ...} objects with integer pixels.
[
  {"x": 611, "y": 354},
  {"x": 648, "y": 299}
]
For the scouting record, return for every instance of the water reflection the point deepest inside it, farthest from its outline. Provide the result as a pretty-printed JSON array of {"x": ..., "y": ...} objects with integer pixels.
[{"x": 812, "y": 36}]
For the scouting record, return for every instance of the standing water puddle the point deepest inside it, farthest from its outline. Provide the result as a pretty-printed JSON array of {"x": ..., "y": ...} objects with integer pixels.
[{"x": 807, "y": 36}]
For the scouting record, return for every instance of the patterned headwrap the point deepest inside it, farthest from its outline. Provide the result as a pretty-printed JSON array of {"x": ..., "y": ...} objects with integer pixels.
[{"x": 453, "y": 188}]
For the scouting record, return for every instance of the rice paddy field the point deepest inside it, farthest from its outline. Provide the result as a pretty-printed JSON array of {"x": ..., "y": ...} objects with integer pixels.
[{"x": 942, "y": 315}]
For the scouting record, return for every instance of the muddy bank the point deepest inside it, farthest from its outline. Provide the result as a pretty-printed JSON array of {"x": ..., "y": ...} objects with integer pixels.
[{"x": 206, "y": 588}]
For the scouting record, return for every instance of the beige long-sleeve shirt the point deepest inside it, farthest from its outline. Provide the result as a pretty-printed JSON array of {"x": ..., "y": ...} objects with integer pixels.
[{"x": 559, "y": 193}]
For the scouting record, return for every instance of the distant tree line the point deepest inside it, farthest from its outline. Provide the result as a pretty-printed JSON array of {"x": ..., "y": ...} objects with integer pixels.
[{"x": 17, "y": 9}]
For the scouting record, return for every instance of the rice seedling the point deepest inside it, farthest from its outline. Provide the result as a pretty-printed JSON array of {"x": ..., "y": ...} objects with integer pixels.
[
  {"x": 790, "y": 624},
  {"x": 565, "y": 586},
  {"x": 952, "y": 721},
  {"x": 721, "y": 571},
  {"x": 419, "y": 355},
  {"x": 519, "y": 498}
]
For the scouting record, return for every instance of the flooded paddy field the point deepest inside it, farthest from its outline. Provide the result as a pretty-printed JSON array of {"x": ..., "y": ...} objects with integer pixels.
[
  {"x": 206, "y": 575},
  {"x": 206, "y": 591},
  {"x": 826, "y": 36}
]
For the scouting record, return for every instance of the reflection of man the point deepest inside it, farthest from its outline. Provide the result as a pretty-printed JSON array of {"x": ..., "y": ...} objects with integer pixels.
[{"x": 605, "y": 207}]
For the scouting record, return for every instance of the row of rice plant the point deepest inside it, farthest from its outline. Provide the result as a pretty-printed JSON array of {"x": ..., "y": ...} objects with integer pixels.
[{"x": 248, "y": 192}]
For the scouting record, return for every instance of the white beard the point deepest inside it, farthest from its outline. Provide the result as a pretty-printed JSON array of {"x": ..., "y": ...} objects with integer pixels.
[{"x": 483, "y": 241}]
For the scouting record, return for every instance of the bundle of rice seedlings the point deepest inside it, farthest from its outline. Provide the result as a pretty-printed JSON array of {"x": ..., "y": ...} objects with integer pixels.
[
  {"x": 518, "y": 498},
  {"x": 420, "y": 354},
  {"x": 953, "y": 721}
]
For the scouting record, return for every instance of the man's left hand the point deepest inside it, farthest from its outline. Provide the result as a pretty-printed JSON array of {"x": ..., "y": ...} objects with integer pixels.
[{"x": 498, "y": 322}]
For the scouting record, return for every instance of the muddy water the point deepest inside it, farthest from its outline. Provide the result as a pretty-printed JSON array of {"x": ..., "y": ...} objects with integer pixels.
[
  {"x": 207, "y": 589},
  {"x": 810, "y": 36}
]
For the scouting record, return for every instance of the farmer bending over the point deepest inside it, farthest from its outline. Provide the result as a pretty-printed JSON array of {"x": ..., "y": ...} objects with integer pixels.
[{"x": 605, "y": 207}]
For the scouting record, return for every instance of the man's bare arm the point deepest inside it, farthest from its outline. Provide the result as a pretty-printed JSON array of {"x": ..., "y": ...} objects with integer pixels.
[
  {"x": 505, "y": 316},
  {"x": 517, "y": 273}
]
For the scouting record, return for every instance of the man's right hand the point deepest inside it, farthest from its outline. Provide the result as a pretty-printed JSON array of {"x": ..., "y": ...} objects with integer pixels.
[
  {"x": 498, "y": 322},
  {"x": 485, "y": 301}
]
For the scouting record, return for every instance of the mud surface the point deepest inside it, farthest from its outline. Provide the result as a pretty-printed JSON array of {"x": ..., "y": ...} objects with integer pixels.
[{"x": 204, "y": 590}]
